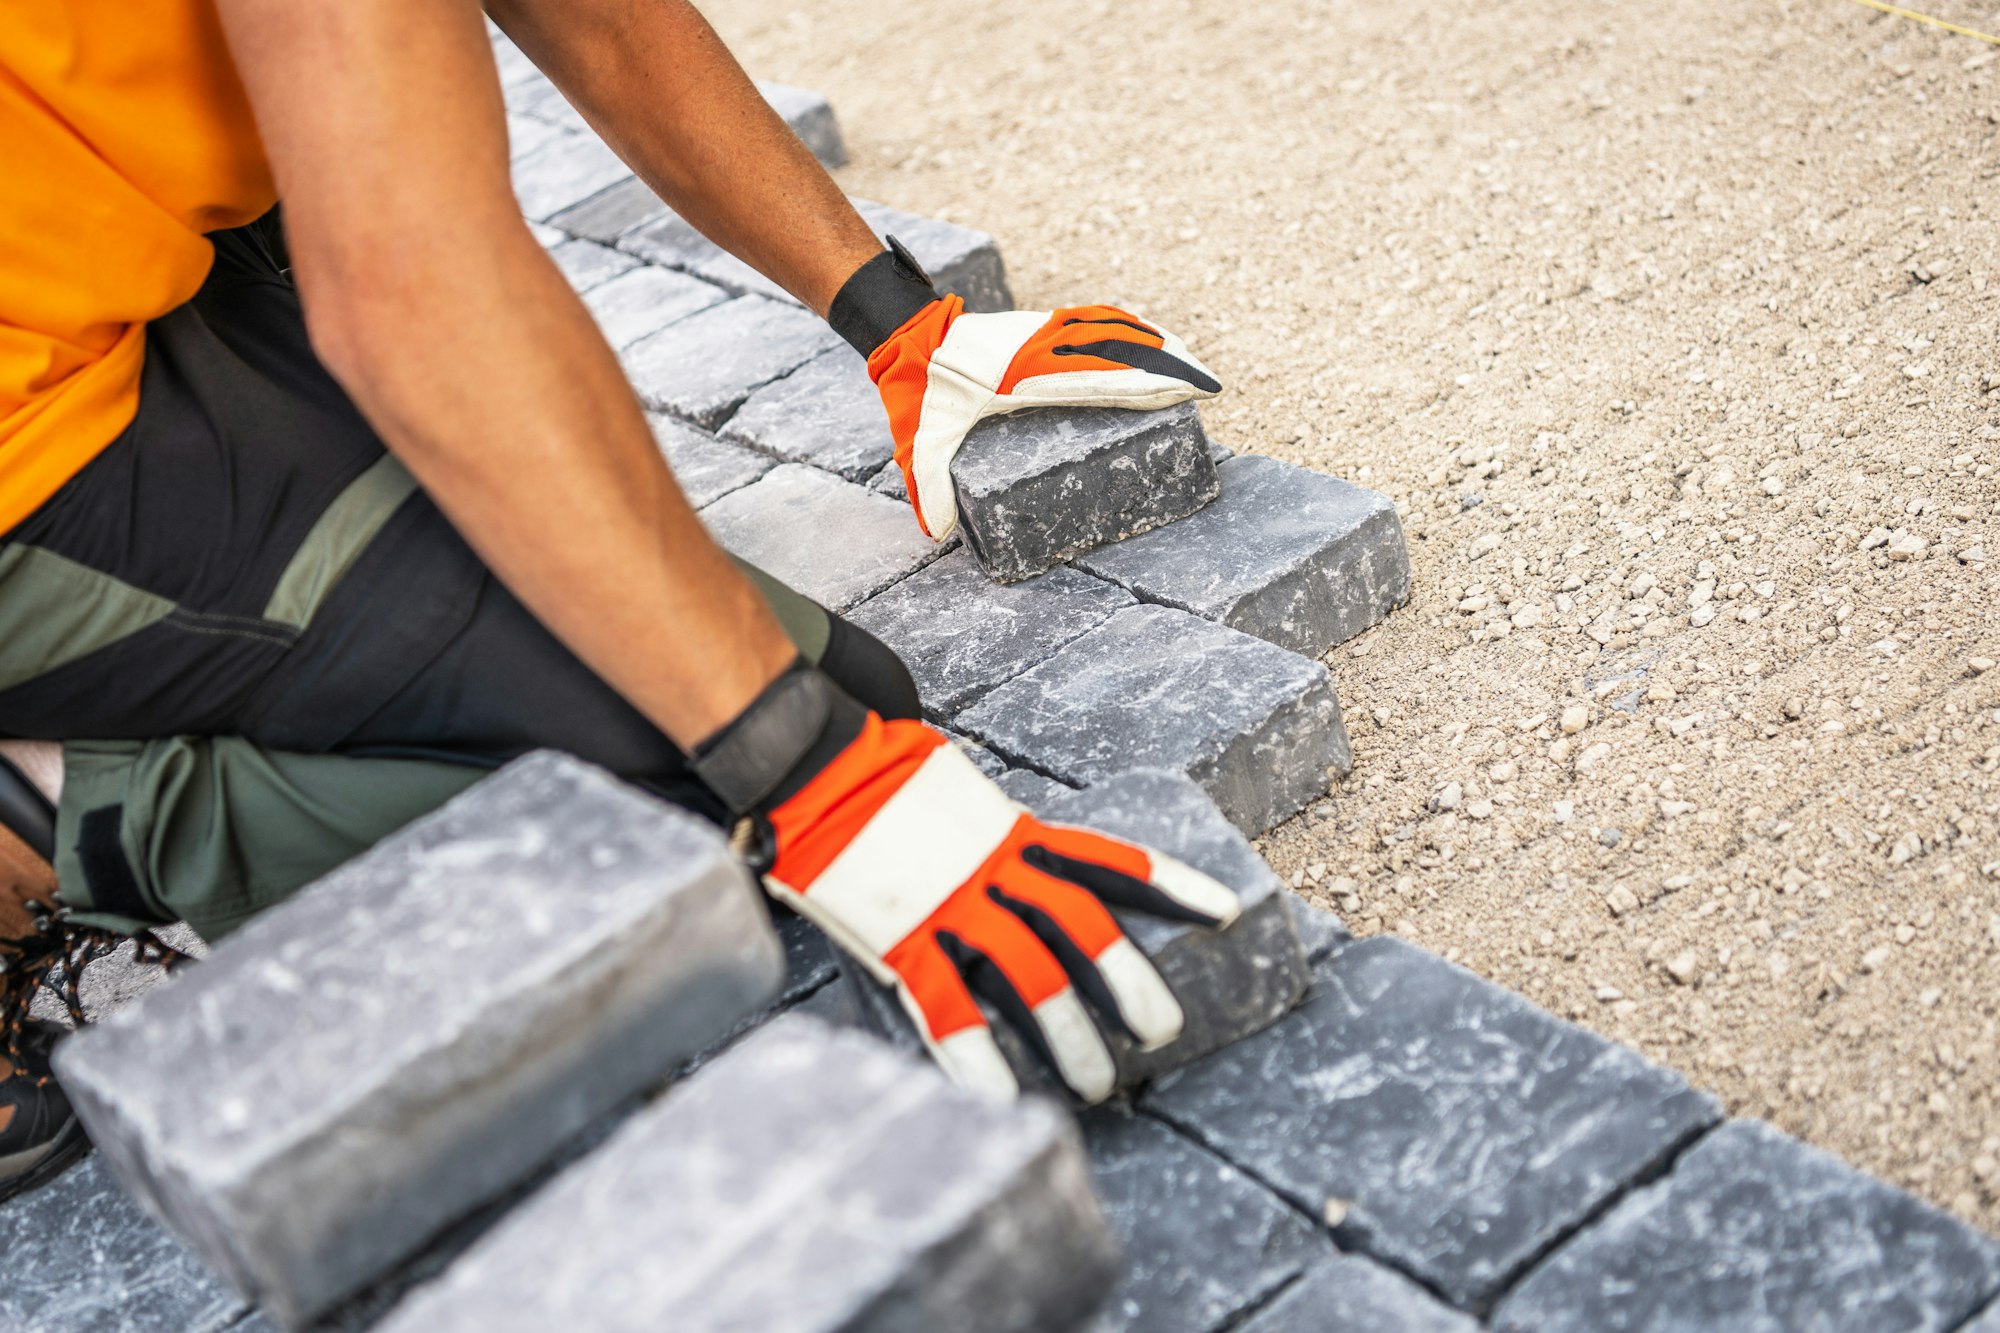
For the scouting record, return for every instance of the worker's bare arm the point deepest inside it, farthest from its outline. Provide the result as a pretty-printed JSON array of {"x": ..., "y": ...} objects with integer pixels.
[
  {"x": 659, "y": 85},
  {"x": 455, "y": 334}
]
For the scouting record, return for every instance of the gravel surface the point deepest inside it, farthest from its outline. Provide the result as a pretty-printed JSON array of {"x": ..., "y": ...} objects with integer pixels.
[{"x": 1669, "y": 329}]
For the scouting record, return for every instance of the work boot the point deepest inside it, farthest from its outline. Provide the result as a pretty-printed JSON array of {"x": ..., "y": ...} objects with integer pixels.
[{"x": 39, "y": 1134}]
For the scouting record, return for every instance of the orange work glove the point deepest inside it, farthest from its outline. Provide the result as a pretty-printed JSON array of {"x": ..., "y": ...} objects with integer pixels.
[
  {"x": 889, "y": 839},
  {"x": 941, "y": 371}
]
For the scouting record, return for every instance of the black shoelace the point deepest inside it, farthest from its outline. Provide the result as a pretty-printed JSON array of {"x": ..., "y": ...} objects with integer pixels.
[{"x": 54, "y": 958}]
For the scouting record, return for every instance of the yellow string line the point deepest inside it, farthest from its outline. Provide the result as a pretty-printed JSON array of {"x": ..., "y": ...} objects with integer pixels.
[{"x": 1926, "y": 18}]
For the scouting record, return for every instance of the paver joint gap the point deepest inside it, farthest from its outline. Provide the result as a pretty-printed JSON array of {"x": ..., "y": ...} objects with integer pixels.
[{"x": 1652, "y": 1175}]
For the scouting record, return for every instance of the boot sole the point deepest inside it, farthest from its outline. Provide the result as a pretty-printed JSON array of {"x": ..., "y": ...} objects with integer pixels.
[{"x": 35, "y": 1167}]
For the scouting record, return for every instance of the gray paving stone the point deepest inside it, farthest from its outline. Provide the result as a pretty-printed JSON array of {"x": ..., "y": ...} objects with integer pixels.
[
  {"x": 1349, "y": 1292},
  {"x": 83, "y": 1257},
  {"x": 809, "y": 1179},
  {"x": 564, "y": 171},
  {"x": 1030, "y": 788},
  {"x": 891, "y": 482},
  {"x": 1987, "y": 1322},
  {"x": 706, "y": 467},
  {"x": 360, "y": 1065},
  {"x": 811, "y": 117},
  {"x": 1320, "y": 932},
  {"x": 646, "y": 300},
  {"x": 960, "y": 260},
  {"x": 1440, "y": 1124},
  {"x": 702, "y": 367},
  {"x": 1231, "y": 983},
  {"x": 961, "y": 634},
  {"x": 525, "y": 134},
  {"x": 1038, "y": 487},
  {"x": 987, "y": 762},
  {"x": 826, "y": 413},
  {"x": 545, "y": 236},
  {"x": 612, "y": 212},
  {"x": 587, "y": 264},
  {"x": 1304, "y": 560},
  {"x": 1257, "y": 727},
  {"x": 1755, "y": 1232},
  {"x": 1202, "y": 1241},
  {"x": 539, "y": 98},
  {"x": 835, "y": 542}
]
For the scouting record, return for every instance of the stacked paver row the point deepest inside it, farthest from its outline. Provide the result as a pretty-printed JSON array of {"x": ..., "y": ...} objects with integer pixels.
[{"x": 1408, "y": 1148}]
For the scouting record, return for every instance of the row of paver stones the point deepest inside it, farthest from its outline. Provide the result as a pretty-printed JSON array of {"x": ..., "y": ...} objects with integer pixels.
[{"x": 427, "y": 1093}]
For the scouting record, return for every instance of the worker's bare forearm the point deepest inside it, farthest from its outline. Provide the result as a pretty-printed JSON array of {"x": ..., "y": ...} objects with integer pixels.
[
  {"x": 461, "y": 342},
  {"x": 659, "y": 85}
]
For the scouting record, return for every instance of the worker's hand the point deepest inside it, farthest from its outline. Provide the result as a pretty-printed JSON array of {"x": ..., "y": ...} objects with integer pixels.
[
  {"x": 941, "y": 370},
  {"x": 888, "y": 838}
]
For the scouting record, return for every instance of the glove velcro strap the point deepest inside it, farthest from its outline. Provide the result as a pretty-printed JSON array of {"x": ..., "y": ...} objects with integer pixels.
[
  {"x": 789, "y": 732},
  {"x": 882, "y": 295},
  {"x": 925, "y": 843}
]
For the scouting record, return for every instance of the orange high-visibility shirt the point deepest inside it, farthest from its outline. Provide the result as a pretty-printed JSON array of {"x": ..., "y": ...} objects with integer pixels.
[{"x": 125, "y": 137}]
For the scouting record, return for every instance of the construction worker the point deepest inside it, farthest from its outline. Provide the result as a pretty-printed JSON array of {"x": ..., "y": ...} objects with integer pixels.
[{"x": 310, "y": 520}]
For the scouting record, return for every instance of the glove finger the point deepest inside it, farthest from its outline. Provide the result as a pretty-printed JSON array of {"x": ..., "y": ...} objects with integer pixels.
[
  {"x": 1007, "y": 966},
  {"x": 1130, "y": 877},
  {"x": 934, "y": 994},
  {"x": 1102, "y": 962},
  {"x": 1146, "y": 357}
]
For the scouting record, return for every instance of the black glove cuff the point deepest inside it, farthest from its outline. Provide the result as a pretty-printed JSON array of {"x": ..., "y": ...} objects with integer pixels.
[
  {"x": 775, "y": 746},
  {"x": 880, "y": 298}
]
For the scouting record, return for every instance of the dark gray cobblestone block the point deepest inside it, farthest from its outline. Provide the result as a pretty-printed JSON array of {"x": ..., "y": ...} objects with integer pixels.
[
  {"x": 1038, "y": 487},
  {"x": 702, "y": 367},
  {"x": 403, "y": 1039},
  {"x": 811, "y": 117},
  {"x": 1349, "y": 1292},
  {"x": 826, "y": 413},
  {"x": 987, "y": 762},
  {"x": 1987, "y": 1322},
  {"x": 587, "y": 264},
  {"x": 566, "y": 170},
  {"x": 645, "y": 300},
  {"x": 1202, "y": 1241},
  {"x": 1231, "y": 982},
  {"x": 808, "y": 1179},
  {"x": 1304, "y": 560},
  {"x": 961, "y": 634},
  {"x": 1030, "y": 788},
  {"x": 612, "y": 212},
  {"x": 959, "y": 260},
  {"x": 1439, "y": 1123},
  {"x": 1320, "y": 932},
  {"x": 1257, "y": 727},
  {"x": 835, "y": 542},
  {"x": 1755, "y": 1232},
  {"x": 82, "y": 1257},
  {"x": 525, "y": 134},
  {"x": 706, "y": 468}
]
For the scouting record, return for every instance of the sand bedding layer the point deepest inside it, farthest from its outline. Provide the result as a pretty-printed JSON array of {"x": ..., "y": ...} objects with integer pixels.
[{"x": 1670, "y": 330}]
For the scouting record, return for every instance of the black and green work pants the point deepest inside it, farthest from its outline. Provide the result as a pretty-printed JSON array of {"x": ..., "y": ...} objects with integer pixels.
[{"x": 265, "y": 647}]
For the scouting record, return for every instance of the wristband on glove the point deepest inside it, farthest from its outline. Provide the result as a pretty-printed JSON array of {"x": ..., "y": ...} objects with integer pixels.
[
  {"x": 883, "y": 295},
  {"x": 790, "y": 731}
]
